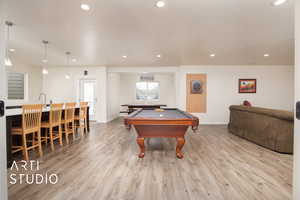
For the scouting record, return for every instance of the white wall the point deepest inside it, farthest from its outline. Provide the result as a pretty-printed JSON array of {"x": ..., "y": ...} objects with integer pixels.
[
  {"x": 296, "y": 185},
  {"x": 167, "y": 88},
  {"x": 274, "y": 88},
  {"x": 60, "y": 89},
  {"x": 113, "y": 96},
  {"x": 34, "y": 82}
]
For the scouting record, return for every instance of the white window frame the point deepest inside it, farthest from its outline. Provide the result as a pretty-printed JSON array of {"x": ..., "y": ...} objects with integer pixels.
[
  {"x": 26, "y": 89},
  {"x": 141, "y": 100}
]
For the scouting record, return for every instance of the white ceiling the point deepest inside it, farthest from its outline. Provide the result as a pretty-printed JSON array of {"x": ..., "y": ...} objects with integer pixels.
[{"x": 185, "y": 32}]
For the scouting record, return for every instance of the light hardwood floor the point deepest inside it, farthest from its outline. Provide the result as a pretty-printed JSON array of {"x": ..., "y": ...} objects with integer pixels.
[{"x": 217, "y": 165}]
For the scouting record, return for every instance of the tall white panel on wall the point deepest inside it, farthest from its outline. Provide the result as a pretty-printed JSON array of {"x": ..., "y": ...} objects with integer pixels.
[
  {"x": 296, "y": 184},
  {"x": 3, "y": 184}
]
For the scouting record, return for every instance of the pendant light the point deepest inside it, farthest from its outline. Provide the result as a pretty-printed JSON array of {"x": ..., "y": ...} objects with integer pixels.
[
  {"x": 7, "y": 60},
  {"x": 67, "y": 76},
  {"x": 45, "y": 59}
]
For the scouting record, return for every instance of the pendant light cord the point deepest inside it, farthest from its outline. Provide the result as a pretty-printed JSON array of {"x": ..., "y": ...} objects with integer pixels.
[
  {"x": 45, "y": 53},
  {"x": 68, "y": 57},
  {"x": 45, "y": 42}
]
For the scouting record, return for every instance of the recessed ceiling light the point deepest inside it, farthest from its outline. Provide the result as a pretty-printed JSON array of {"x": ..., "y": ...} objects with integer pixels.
[
  {"x": 74, "y": 60},
  {"x": 44, "y": 60},
  {"x": 12, "y": 50},
  {"x": 278, "y": 2},
  {"x": 45, "y": 71},
  {"x": 158, "y": 56},
  {"x": 85, "y": 7},
  {"x": 212, "y": 55},
  {"x": 266, "y": 55},
  {"x": 160, "y": 4},
  {"x": 67, "y": 76},
  {"x": 124, "y": 56}
]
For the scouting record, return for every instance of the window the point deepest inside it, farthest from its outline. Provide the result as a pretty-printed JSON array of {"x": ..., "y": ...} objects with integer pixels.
[
  {"x": 15, "y": 86},
  {"x": 147, "y": 91}
]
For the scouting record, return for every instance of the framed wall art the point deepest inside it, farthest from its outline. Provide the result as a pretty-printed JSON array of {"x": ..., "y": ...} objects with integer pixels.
[
  {"x": 247, "y": 85},
  {"x": 196, "y": 87}
]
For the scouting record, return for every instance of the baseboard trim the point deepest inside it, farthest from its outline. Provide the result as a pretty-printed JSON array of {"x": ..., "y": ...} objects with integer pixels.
[{"x": 213, "y": 123}]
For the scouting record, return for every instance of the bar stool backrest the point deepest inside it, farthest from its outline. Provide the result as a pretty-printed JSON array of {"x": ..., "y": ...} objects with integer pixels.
[
  {"x": 31, "y": 118},
  {"x": 55, "y": 114},
  {"x": 83, "y": 109},
  {"x": 69, "y": 112}
]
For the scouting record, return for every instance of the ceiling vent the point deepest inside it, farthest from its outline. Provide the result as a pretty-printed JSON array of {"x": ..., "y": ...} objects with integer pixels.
[{"x": 147, "y": 77}]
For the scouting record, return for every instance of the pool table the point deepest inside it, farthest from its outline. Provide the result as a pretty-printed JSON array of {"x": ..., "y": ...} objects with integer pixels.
[{"x": 169, "y": 123}]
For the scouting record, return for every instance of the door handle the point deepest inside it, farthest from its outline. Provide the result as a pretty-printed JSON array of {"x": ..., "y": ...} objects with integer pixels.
[{"x": 2, "y": 108}]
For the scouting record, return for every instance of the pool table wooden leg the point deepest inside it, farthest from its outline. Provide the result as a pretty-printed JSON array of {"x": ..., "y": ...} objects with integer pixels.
[
  {"x": 140, "y": 142},
  {"x": 128, "y": 126},
  {"x": 180, "y": 144}
]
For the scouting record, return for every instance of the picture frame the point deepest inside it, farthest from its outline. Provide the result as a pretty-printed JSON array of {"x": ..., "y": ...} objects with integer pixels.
[
  {"x": 196, "y": 87},
  {"x": 247, "y": 85}
]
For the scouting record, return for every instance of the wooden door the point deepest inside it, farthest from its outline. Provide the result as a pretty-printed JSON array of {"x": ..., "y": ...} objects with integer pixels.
[{"x": 196, "y": 102}]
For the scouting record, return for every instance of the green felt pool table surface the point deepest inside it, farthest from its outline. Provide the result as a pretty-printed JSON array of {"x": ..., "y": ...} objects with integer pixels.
[{"x": 166, "y": 113}]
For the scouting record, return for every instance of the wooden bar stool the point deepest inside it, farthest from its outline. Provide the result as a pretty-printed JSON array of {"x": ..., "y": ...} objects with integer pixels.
[
  {"x": 81, "y": 118},
  {"x": 68, "y": 121},
  {"x": 31, "y": 125},
  {"x": 54, "y": 122}
]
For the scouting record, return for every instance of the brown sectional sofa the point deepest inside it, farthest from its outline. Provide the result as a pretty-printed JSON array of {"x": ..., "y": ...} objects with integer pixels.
[{"x": 273, "y": 129}]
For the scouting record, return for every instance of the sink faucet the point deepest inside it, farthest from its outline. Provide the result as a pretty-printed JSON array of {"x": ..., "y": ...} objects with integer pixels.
[{"x": 44, "y": 98}]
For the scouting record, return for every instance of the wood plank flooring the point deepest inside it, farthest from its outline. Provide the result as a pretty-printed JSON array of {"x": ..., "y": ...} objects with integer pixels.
[{"x": 217, "y": 165}]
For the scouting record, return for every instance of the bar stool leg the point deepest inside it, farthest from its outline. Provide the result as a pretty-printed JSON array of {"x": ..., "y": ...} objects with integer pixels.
[
  {"x": 66, "y": 132},
  {"x": 60, "y": 135},
  {"x": 47, "y": 133},
  {"x": 25, "y": 147},
  {"x": 73, "y": 129},
  {"x": 33, "y": 143},
  {"x": 85, "y": 125},
  {"x": 51, "y": 139},
  {"x": 81, "y": 128},
  {"x": 40, "y": 143}
]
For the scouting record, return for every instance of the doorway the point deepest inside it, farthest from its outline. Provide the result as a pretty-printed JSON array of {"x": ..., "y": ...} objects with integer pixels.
[{"x": 88, "y": 94}]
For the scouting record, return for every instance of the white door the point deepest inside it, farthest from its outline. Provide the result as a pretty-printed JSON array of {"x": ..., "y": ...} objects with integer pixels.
[
  {"x": 88, "y": 94},
  {"x": 296, "y": 185},
  {"x": 3, "y": 184}
]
